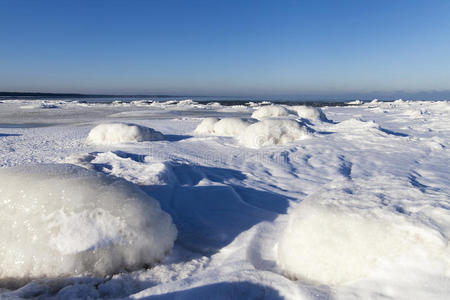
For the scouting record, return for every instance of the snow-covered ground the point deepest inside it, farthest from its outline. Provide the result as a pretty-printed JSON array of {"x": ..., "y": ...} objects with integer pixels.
[{"x": 286, "y": 203}]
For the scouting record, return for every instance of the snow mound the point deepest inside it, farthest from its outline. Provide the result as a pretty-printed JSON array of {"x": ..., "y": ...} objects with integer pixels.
[
  {"x": 60, "y": 219},
  {"x": 309, "y": 112},
  {"x": 114, "y": 133},
  {"x": 332, "y": 245},
  {"x": 272, "y": 132},
  {"x": 270, "y": 111},
  {"x": 222, "y": 127}
]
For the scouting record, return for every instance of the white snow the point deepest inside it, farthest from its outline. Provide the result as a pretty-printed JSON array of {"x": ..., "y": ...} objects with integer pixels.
[
  {"x": 272, "y": 132},
  {"x": 61, "y": 219},
  {"x": 114, "y": 133},
  {"x": 270, "y": 111}
]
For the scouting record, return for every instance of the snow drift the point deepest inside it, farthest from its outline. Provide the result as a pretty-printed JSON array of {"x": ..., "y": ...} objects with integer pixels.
[
  {"x": 272, "y": 132},
  {"x": 270, "y": 111},
  {"x": 334, "y": 244},
  {"x": 60, "y": 219},
  {"x": 114, "y": 133},
  {"x": 222, "y": 127}
]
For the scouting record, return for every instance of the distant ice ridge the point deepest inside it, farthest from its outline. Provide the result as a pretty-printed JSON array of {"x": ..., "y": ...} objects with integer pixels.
[
  {"x": 278, "y": 111},
  {"x": 60, "y": 219},
  {"x": 336, "y": 244},
  {"x": 114, "y": 133}
]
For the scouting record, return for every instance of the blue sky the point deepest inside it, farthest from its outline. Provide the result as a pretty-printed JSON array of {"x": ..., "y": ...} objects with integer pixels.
[{"x": 225, "y": 47}]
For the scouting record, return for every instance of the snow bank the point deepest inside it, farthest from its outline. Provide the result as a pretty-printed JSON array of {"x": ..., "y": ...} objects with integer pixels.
[
  {"x": 270, "y": 111},
  {"x": 115, "y": 133},
  {"x": 222, "y": 127},
  {"x": 309, "y": 112},
  {"x": 334, "y": 244},
  {"x": 272, "y": 132},
  {"x": 64, "y": 220}
]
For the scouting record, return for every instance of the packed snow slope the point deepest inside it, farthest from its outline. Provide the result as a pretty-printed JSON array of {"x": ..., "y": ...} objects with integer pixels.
[{"x": 268, "y": 201}]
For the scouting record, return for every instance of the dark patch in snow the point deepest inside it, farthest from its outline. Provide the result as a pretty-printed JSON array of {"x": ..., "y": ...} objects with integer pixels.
[
  {"x": 387, "y": 131},
  {"x": 413, "y": 181},
  {"x": 176, "y": 138},
  {"x": 345, "y": 167}
]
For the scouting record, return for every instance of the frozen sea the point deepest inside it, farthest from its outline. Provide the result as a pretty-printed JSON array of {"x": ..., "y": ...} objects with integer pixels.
[{"x": 262, "y": 201}]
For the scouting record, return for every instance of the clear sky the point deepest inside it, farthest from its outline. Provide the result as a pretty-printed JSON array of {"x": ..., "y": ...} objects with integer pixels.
[{"x": 218, "y": 47}]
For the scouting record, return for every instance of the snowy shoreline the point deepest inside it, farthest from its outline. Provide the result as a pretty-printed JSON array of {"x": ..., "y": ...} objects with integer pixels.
[{"x": 280, "y": 203}]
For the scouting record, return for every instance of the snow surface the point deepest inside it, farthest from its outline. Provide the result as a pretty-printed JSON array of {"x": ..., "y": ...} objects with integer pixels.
[
  {"x": 115, "y": 133},
  {"x": 59, "y": 219},
  {"x": 356, "y": 208}
]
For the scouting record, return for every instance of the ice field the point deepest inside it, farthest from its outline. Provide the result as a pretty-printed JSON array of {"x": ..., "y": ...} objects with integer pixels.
[{"x": 182, "y": 200}]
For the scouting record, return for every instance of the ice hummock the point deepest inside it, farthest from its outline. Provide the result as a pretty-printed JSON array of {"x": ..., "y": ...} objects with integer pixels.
[
  {"x": 114, "y": 133},
  {"x": 272, "y": 132},
  {"x": 336, "y": 244},
  {"x": 60, "y": 219}
]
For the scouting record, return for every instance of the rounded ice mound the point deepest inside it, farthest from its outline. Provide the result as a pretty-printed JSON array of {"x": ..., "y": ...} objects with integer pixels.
[
  {"x": 270, "y": 111},
  {"x": 115, "y": 133},
  {"x": 272, "y": 132},
  {"x": 309, "y": 112},
  {"x": 334, "y": 245},
  {"x": 231, "y": 126},
  {"x": 60, "y": 219},
  {"x": 222, "y": 127}
]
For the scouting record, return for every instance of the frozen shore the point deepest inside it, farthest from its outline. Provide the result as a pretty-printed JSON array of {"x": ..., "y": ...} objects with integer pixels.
[{"x": 268, "y": 201}]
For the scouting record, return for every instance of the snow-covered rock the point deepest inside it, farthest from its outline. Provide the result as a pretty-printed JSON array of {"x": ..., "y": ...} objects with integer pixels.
[
  {"x": 270, "y": 111},
  {"x": 114, "y": 133},
  {"x": 60, "y": 219},
  {"x": 272, "y": 132}
]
